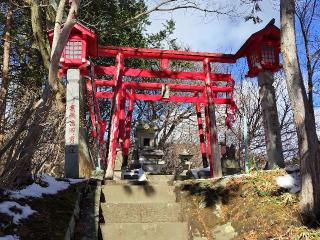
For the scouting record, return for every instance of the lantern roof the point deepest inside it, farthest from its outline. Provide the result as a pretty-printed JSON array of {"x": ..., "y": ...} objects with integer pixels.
[
  {"x": 269, "y": 33},
  {"x": 81, "y": 30}
]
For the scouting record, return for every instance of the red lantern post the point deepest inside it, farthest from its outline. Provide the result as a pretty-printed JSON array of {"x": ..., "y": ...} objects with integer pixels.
[{"x": 81, "y": 45}]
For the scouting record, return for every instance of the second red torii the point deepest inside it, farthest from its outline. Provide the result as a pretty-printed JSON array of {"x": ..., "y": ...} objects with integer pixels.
[{"x": 205, "y": 94}]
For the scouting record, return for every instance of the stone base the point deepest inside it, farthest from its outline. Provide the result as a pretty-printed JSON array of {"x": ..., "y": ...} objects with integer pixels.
[
  {"x": 230, "y": 171},
  {"x": 130, "y": 174},
  {"x": 97, "y": 174},
  {"x": 153, "y": 168}
]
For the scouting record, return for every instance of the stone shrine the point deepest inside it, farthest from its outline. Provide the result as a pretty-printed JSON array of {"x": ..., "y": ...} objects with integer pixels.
[{"x": 146, "y": 154}]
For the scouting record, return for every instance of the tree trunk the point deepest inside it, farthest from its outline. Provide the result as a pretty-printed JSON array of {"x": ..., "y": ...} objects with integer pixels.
[
  {"x": 41, "y": 40},
  {"x": 5, "y": 67},
  {"x": 38, "y": 33},
  {"x": 305, "y": 21},
  {"x": 305, "y": 124},
  {"x": 270, "y": 119},
  {"x": 19, "y": 172}
]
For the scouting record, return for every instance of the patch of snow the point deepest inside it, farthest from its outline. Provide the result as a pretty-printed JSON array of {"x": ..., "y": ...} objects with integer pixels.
[
  {"x": 291, "y": 181},
  {"x": 195, "y": 171},
  {"x": 132, "y": 172},
  {"x": 136, "y": 172},
  {"x": 142, "y": 175},
  {"x": 286, "y": 181},
  {"x": 24, "y": 211},
  {"x": 10, "y": 237},
  {"x": 35, "y": 190},
  {"x": 74, "y": 181}
]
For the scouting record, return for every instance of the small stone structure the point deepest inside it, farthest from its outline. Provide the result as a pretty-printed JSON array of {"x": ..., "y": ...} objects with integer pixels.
[
  {"x": 185, "y": 158},
  {"x": 230, "y": 165},
  {"x": 146, "y": 153}
]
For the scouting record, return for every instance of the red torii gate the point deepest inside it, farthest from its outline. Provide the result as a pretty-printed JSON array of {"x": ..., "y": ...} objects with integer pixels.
[
  {"x": 83, "y": 44},
  {"x": 206, "y": 93}
]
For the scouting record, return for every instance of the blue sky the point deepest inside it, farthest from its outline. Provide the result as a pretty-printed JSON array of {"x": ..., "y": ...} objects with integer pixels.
[
  {"x": 220, "y": 34},
  {"x": 211, "y": 33}
]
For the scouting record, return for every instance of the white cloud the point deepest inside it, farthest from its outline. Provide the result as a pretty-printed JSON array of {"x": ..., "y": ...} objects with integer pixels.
[{"x": 212, "y": 34}]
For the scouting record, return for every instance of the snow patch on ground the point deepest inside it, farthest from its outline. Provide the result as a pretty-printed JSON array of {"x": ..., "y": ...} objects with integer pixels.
[
  {"x": 142, "y": 175},
  {"x": 195, "y": 171},
  {"x": 286, "y": 181},
  {"x": 35, "y": 190},
  {"x": 19, "y": 212},
  {"x": 291, "y": 181},
  {"x": 136, "y": 172},
  {"x": 10, "y": 237}
]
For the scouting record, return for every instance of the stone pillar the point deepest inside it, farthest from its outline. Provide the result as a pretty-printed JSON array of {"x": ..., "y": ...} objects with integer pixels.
[
  {"x": 78, "y": 162},
  {"x": 270, "y": 119}
]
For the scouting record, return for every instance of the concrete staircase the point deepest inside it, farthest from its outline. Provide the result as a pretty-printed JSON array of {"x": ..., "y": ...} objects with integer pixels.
[{"x": 148, "y": 211}]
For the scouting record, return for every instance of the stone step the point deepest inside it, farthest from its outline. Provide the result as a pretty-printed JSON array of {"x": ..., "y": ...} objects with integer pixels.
[
  {"x": 160, "y": 178},
  {"x": 145, "y": 231},
  {"x": 151, "y": 179},
  {"x": 134, "y": 181},
  {"x": 126, "y": 193},
  {"x": 141, "y": 212}
]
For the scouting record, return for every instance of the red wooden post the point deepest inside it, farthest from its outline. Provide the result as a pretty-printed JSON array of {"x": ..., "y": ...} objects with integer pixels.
[
  {"x": 91, "y": 107},
  {"x": 164, "y": 63},
  {"x": 122, "y": 116},
  {"x": 208, "y": 138},
  {"x": 215, "y": 169},
  {"x": 99, "y": 124},
  {"x": 114, "y": 130},
  {"x": 102, "y": 129},
  {"x": 201, "y": 136},
  {"x": 126, "y": 144}
]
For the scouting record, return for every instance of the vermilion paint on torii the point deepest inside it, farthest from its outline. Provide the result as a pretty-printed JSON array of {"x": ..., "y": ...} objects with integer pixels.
[
  {"x": 204, "y": 93},
  {"x": 261, "y": 50}
]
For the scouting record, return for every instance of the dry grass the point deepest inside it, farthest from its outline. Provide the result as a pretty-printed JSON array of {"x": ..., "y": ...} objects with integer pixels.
[{"x": 256, "y": 207}]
